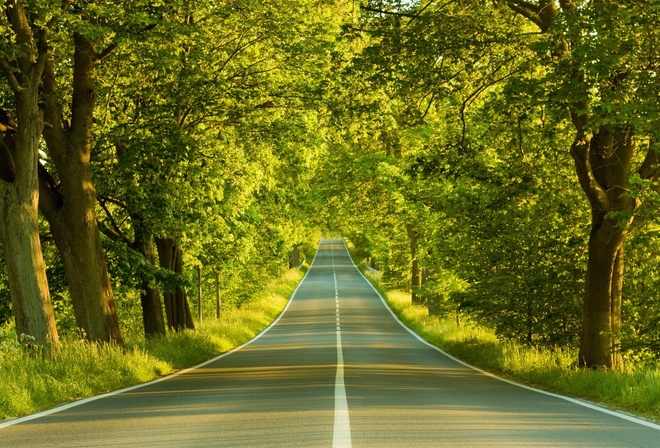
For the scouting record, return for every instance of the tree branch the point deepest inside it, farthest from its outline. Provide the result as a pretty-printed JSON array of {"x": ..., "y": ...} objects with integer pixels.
[
  {"x": 392, "y": 13},
  {"x": 423, "y": 8},
  {"x": 106, "y": 52},
  {"x": 527, "y": 10},
  {"x": 50, "y": 196},
  {"x": 525, "y": 5},
  {"x": 580, "y": 151},
  {"x": 54, "y": 131},
  {"x": 43, "y": 52},
  {"x": 11, "y": 77},
  {"x": 114, "y": 232},
  {"x": 484, "y": 86},
  {"x": 650, "y": 168},
  {"x": 113, "y": 201}
]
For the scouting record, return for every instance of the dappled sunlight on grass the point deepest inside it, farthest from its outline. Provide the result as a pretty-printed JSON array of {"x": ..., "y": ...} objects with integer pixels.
[
  {"x": 31, "y": 383},
  {"x": 635, "y": 389}
]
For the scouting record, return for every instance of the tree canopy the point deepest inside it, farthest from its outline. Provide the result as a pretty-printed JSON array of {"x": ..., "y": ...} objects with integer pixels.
[{"x": 498, "y": 159}]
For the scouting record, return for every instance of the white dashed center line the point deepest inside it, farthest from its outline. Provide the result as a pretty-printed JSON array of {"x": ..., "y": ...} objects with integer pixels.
[{"x": 342, "y": 429}]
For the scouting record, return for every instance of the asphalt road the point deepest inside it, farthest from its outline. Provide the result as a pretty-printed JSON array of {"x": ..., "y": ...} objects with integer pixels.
[{"x": 336, "y": 369}]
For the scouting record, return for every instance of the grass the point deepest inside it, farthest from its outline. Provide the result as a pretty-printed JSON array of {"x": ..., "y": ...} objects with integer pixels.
[
  {"x": 634, "y": 389},
  {"x": 30, "y": 383}
]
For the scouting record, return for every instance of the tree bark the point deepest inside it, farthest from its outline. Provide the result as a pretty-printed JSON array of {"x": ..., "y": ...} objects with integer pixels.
[
  {"x": 152, "y": 305},
  {"x": 603, "y": 164},
  {"x": 70, "y": 206},
  {"x": 19, "y": 185},
  {"x": 294, "y": 259},
  {"x": 19, "y": 235},
  {"x": 601, "y": 323},
  {"x": 177, "y": 308},
  {"x": 416, "y": 271}
]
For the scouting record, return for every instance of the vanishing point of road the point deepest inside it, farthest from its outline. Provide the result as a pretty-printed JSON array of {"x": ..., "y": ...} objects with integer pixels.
[{"x": 336, "y": 369}]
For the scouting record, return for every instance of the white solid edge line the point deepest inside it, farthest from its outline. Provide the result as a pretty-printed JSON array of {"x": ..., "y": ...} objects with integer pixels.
[
  {"x": 82, "y": 401},
  {"x": 586, "y": 404}
]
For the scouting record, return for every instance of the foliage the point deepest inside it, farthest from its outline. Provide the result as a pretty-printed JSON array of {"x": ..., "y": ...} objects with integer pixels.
[
  {"x": 31, "y": 382},
  {"x": 434, "y": 135},
  {"x": 206, "y": 133},
  {"x": 455, "y": 122},
  {"x": 634, "y": 389}
]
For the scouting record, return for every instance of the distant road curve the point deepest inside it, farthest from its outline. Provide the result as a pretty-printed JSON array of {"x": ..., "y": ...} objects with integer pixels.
[{"x": 336, "y": 369}]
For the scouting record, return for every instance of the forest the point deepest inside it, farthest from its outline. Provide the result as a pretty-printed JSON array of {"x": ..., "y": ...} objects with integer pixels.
[{"x": 499, "y": 159}]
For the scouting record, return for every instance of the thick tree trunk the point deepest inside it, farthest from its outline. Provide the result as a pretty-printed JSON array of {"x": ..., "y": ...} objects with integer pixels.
[
  {"x": 70, "y": 207},
  {"x": 603, "y": 163},
  {"x": 601, "y": 317},
  {"x": 294, "y": 259},
  {"x": 19, "y": 184},
  {"x": 19, "y": 236},
  {"x": 79, "y": 244},
  {"x": 152, "y": 311},
  {"x": 177, "y": 308},
  {"x": 19, "y": 232},
  {"x": 152, "y": 305},
  {"x": 416, "y": 271}
]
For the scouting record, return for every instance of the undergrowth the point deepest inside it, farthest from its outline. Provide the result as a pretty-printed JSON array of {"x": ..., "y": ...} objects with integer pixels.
[
  {"x": 635, "y": 389},
  {"x": 30, "y": 382}
]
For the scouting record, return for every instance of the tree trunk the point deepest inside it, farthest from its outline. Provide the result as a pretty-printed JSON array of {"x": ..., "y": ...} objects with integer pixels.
[
  {"x": 70, "y": 206},
  {"x": 19, "y": 233},
  {"x": 294, "y": 259},
  {"x": 19, "y": 236},
  {"x": 19, "y": 185},
  {"x": 177, "y": 308},
  {"x": 152, "y": 305},
  {"x": 416, "y": 271},
  {"x": 601, "y": 317},
  {"x": 603, "y": 163},
  {"x": 79, "y": 245}
]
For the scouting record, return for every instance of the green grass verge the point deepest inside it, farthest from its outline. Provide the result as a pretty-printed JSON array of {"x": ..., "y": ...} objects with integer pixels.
[
  {"x": 29, "y": 383},
  {"x": 634, "y": 389}
]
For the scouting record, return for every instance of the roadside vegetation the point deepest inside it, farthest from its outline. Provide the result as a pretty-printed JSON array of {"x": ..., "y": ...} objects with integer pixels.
[
  {"x": 465, "y": 148},
  {"x": 634, "y": 389},
  {"x": 31, "y": 382}
]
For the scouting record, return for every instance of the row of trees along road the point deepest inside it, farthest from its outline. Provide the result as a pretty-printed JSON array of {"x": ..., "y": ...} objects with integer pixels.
[
  {"x": 495, "y": 157},
  {"x": 149, "y": 135},
  {"x": 507, "y": 151}
]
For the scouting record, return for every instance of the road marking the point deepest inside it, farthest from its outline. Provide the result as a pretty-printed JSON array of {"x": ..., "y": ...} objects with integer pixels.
[
  {"x": 341, "y": 437},
  {"x": 586, "y": 404},
  {"x": 64, "y": 407},
  {"x": 342, "y": 432}
]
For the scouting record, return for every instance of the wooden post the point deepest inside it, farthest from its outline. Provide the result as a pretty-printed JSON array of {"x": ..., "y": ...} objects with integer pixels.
[
  {"x": 199, "y": 292},
  {"x": 218, "y": 302}
]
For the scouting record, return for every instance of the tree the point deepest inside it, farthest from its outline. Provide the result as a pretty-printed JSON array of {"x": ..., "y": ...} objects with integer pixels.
[
  {"x": 23, "y": 57},
  {"x": 201, "y": 115},
  {"x": 595, "y": 53},
  {"x": 69, "y": 203},
  {"x": 595, "y": 59},
  {"x": 417, "y": 65}
]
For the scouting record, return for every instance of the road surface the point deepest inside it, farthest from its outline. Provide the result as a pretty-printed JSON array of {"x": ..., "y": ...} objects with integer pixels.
[{"x": 336, "y": 370}]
